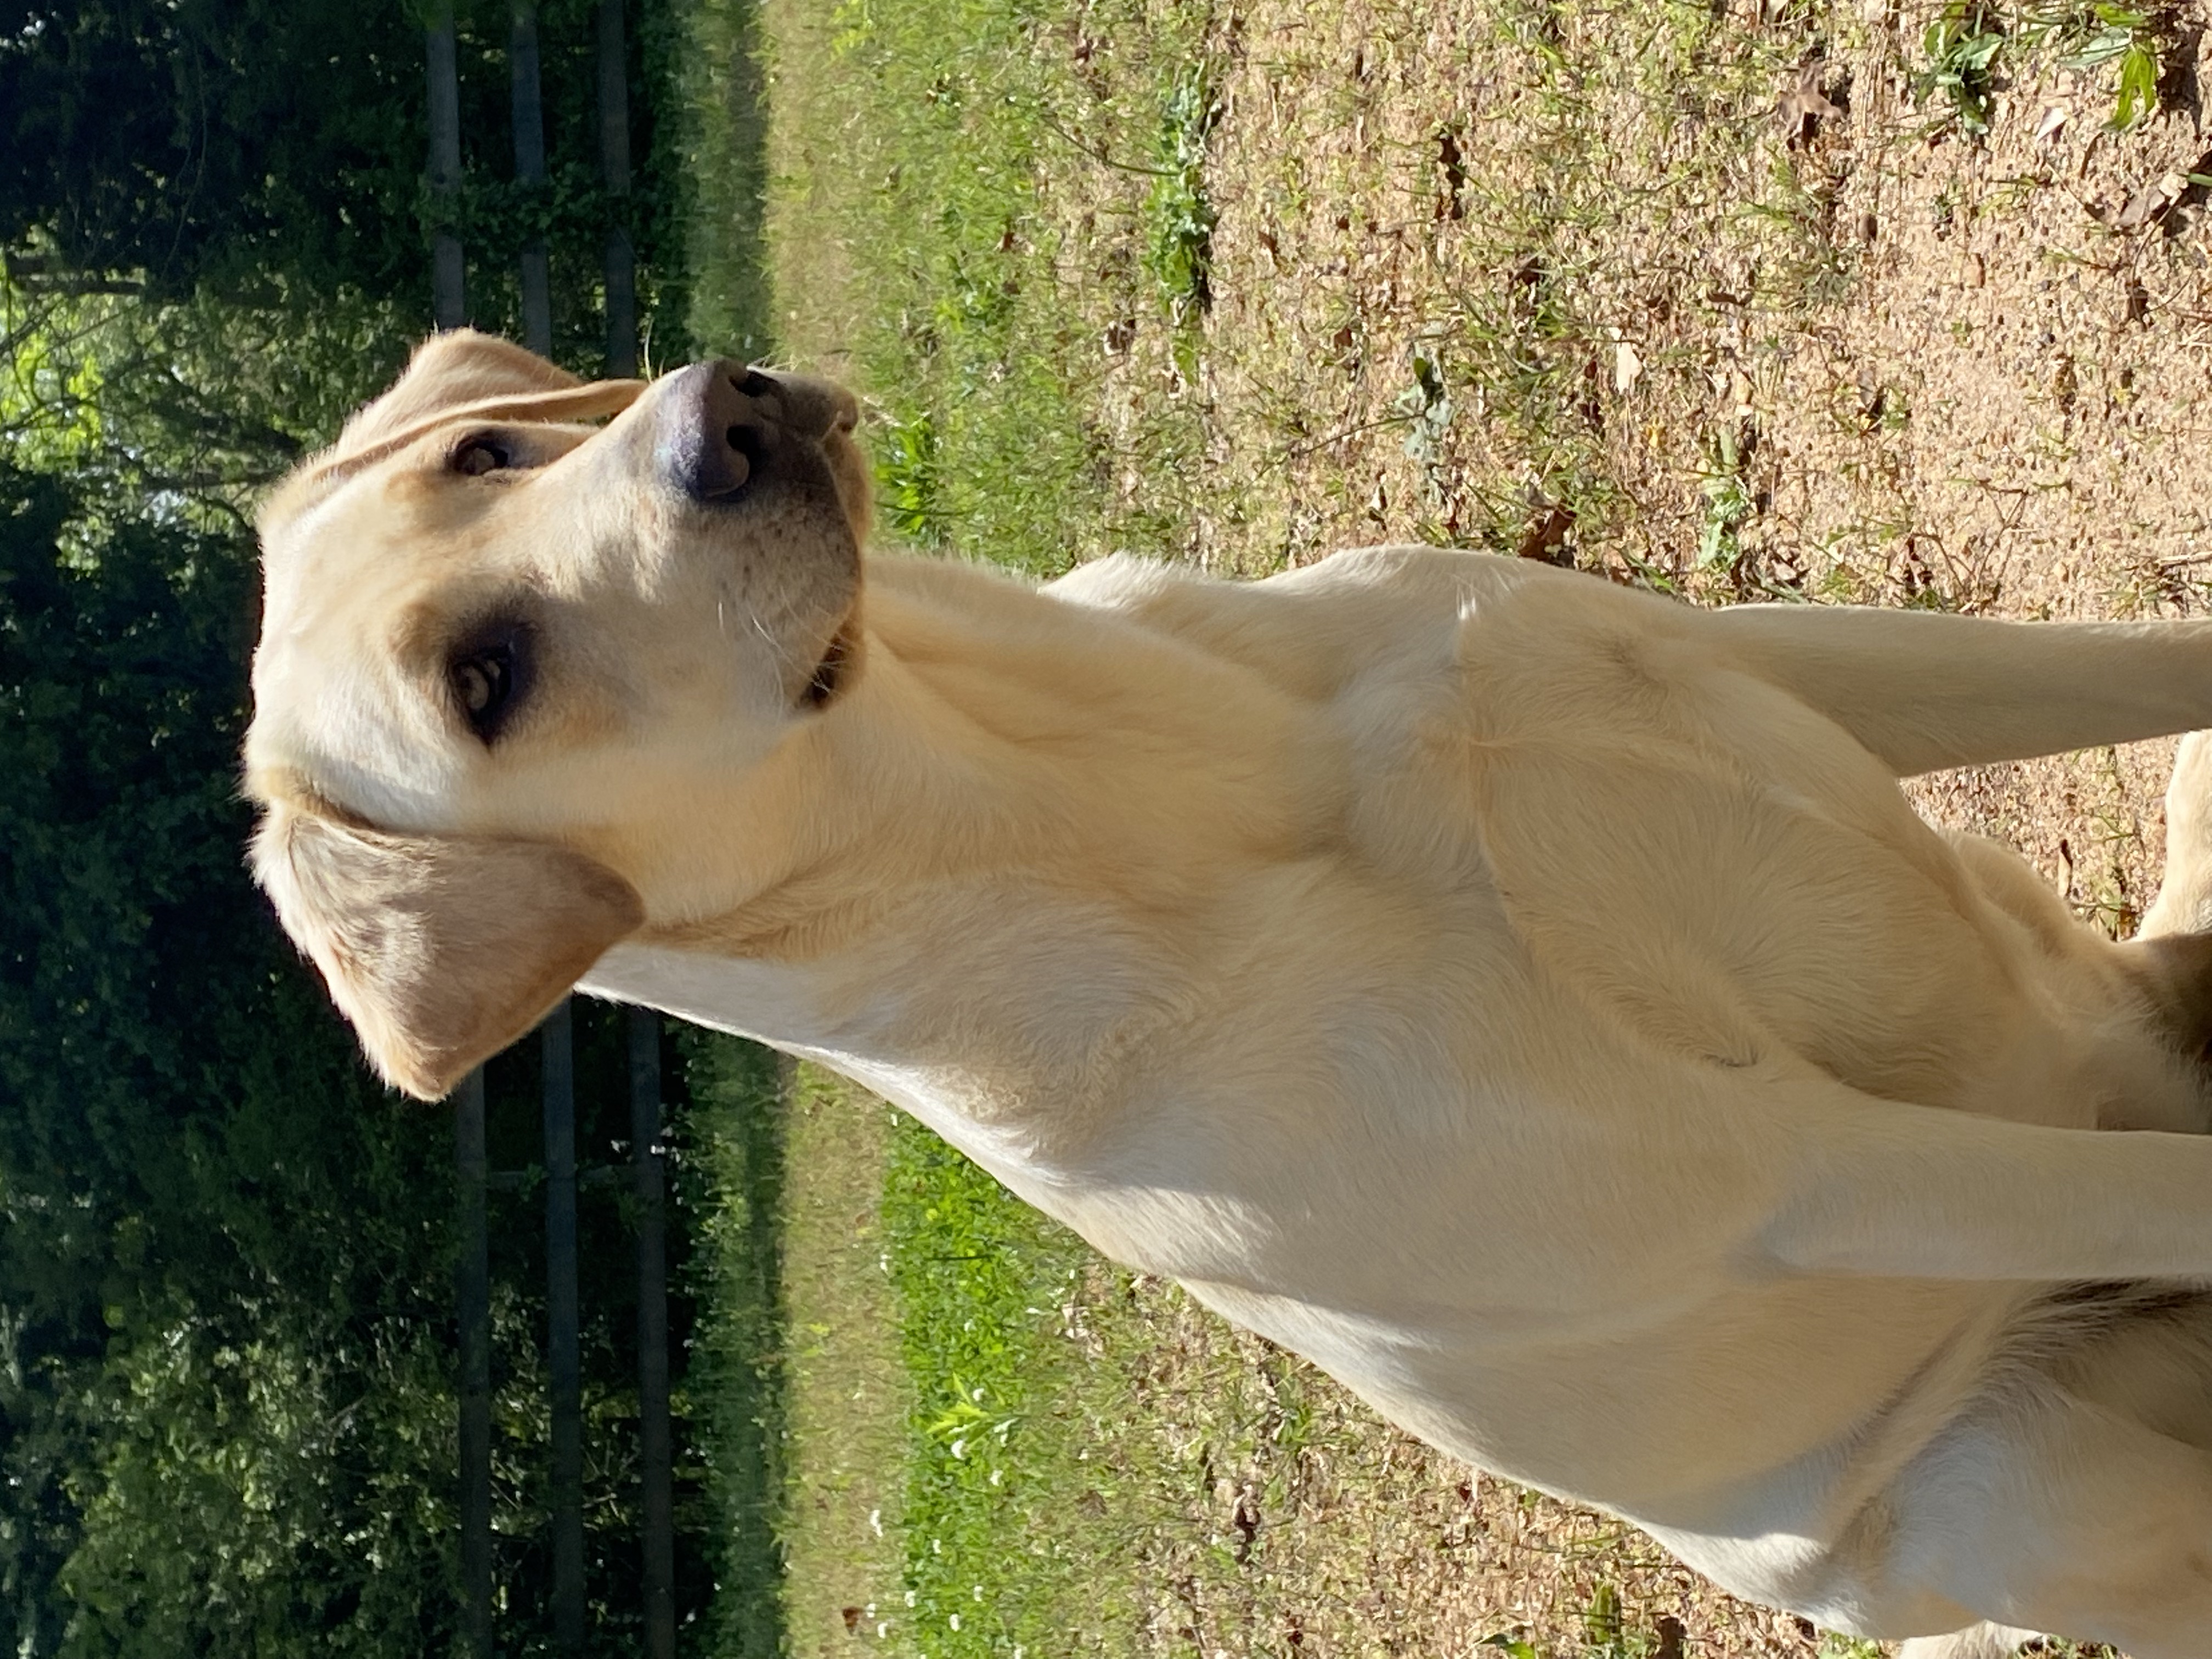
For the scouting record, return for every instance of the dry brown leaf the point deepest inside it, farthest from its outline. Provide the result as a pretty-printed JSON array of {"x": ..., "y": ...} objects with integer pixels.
[{"x": 1806, "y": 105}]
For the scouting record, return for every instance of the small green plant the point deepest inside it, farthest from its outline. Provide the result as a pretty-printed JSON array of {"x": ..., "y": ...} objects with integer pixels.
[
  {"x": 1179, "y": 218},
  {"x": 1962, "y": 45},
  {"x": 1603, "y": 1629},
  {"x": 2099, "y": 33},
  {"x": 1426, "y": 408},
  {"x": 1728, "y": 501},
  {"x": 906, "y": 479}
]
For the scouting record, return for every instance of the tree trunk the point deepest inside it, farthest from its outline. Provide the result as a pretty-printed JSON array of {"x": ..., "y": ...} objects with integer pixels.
[
  {"x": 447, "y": 293},
  {"x": 654, "y": 1451},
  {"x": 562, "y": 1362},
  {"x": 529, "y": 121},
  {"x": 620, "y": 259}
]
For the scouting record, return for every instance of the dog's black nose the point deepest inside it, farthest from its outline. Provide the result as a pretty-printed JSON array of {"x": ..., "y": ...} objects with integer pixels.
[
  {"x": 723, "y": 423},
  {"x": 718, "y": 425}
]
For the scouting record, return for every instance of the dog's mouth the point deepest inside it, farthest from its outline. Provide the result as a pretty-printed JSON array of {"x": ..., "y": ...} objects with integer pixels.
[{"x": 834, "y": 672}]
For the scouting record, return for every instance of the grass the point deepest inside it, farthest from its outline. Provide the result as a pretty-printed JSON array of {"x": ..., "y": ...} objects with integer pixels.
[
  {"x": 716, "y": 159},
  {"x": 926, "y": 256},
  {"x": 735, "y": 1385},
  {"x": 848, "y": 1395}
]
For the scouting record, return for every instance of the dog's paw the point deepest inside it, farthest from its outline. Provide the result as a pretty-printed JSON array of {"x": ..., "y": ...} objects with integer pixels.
[
  {"x": 2184, "y": 893},
  {"x": 1976, "y": 1641}
]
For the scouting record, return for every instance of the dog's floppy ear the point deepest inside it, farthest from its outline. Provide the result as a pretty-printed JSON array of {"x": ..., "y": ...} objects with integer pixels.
[
  {"x": 440, "y": 950},
  {"x": 459, "y": 374},
  {"x": 449, "y": 370}
]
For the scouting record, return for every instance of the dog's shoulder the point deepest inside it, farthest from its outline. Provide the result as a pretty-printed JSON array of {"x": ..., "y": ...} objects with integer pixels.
[{"x": 1410, "y": 610}]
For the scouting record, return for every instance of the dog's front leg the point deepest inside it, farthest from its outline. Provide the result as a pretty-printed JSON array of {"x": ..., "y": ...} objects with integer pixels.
[
  {"x": 2170, "y": 955},
  {"x": 1924, "y": 691},
  {"x": 1914, "y": 1191}
]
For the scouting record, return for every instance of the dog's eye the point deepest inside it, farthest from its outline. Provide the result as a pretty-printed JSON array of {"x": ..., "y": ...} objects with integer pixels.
[
  {"x": 485, "y": 680},
  {"x": 476, "y": 456}
]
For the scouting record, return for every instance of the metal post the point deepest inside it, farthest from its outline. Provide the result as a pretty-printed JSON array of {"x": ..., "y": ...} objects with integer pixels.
[
  {"x": 654, "y": 1449},
  {"x": 560, "y": 1317},
  {"x": 448, "y": 295},
  {"x": 620, "y": 260},
  {"x": 528, "y": 111},
  {"x": 472, "y": 1273}
]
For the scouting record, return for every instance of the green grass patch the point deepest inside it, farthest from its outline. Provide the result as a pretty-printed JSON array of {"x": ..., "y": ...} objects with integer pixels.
[
  {"x": 715, "y": 158},
  {"x": 734, "y": 1388},
  {"x": 1179, "y": 211},
  {"x": 1014, "y": 195},
  {"x": 981, "y": 1278}
]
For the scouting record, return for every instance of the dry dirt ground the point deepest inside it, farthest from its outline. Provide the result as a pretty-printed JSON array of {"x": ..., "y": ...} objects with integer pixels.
[
  {"x": 1912, "y": 367},
  {"x": 1729, "y": 302}
]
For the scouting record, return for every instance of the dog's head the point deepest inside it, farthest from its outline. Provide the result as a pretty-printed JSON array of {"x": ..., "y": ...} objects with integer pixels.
[{"x": 501, "y": 644}]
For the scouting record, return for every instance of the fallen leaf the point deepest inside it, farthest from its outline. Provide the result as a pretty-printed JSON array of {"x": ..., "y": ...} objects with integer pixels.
[
  {"x": 1806, "y": 105},
  {"x": 1627, "y": 367},
  {"x": 2154, "y": 201},
  {"x": 1545, "y": 538}
]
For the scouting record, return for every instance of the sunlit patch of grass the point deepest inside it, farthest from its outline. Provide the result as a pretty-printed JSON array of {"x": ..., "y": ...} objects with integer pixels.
[
  {"x": 981, "y": 1278},
  {"x": 1009, "y": 194}
]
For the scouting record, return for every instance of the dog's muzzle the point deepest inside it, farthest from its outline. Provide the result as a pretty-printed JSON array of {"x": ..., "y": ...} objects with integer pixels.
[{"x": 726, "y": 428}]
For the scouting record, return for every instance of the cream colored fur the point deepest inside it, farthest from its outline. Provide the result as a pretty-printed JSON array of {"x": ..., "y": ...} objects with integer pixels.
[{"x": 1532, "y": 1000}]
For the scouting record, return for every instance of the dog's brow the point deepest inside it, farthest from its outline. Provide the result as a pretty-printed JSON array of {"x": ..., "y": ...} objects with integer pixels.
[{"x": 325, "y": 472}]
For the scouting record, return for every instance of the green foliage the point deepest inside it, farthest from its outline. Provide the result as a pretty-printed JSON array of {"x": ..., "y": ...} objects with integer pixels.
[
  {"x": 226, "y": 1368},
  {"x": 2100, "y": 34},
  {"x": 1961, "y": 44},
  {"x": 270, "y": 155},
  {"x": 223, "y": 1272},
  {"x": 1968, "y": 38},
  {"x": 1179, "y": 215},
  {"x": 196, "y": 403},
  {"x": 207, "y": 142},
  {"x": 906, "y": 479},
  {"x": 1728, "y": 501},
  {"x": 981, "y": 1277}
]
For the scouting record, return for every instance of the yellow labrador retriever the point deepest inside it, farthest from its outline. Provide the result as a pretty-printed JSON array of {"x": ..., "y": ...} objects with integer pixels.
[{"x": 1533, "y": 1001}]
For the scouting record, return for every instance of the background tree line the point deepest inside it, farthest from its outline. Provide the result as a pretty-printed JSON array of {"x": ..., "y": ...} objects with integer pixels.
[{"x": 226, "y": 1319}]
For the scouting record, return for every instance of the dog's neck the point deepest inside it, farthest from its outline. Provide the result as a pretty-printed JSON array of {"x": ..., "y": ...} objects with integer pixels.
[
  {"x": 992, "y": 864},
  {"x": 995, "y": 733}
]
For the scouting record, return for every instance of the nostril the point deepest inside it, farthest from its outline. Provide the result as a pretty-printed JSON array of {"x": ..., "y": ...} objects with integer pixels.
[{"x": 718, "y": 439}]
